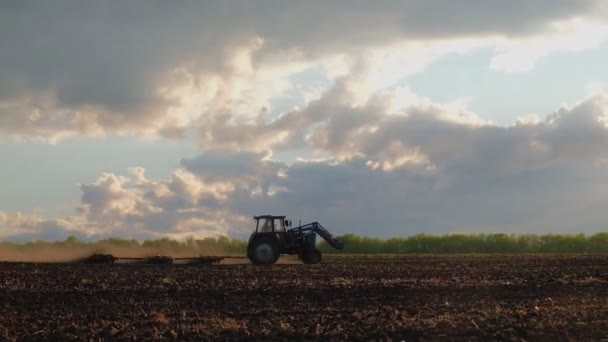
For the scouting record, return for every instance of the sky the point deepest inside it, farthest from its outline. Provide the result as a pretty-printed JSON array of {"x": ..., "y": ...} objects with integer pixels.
[{"x": 148, "y": 119}]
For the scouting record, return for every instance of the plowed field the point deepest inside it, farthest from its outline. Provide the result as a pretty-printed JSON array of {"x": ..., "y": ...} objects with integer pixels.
[{"x": 346, "y": 298}]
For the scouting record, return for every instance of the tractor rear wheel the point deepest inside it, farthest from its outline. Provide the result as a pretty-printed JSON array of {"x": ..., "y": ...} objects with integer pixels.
[
  {"x": 312, "y": 256},
  {"x": 263, "y": 251}
]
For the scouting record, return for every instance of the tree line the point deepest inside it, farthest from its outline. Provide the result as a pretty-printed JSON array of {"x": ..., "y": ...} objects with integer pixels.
[
  {"x": 474, "y": 243},
  {"x": 356, "y": 244}
]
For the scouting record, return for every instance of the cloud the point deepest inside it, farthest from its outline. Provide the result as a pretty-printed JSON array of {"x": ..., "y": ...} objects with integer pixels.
[
  {"x": 519, "y": 55},
  {"x": 424, "y": 171},
  {"x": 149, "y": 69},
  {"x": 136, "y": 205},
  {"x": 331, "y": 121},
  {"x": 387, "y": 161},
  {"x": 22, "y": 227},
  {"x": 422, "y": 168}
]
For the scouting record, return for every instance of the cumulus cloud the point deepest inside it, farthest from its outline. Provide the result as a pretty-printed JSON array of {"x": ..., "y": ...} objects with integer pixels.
[
  {"x": 338, "y": 117},
  {"x": 150, "y": 69},
  {"x": 136, "y": 205},
  {"x": 23, "y": 227},
  {"x": 420, "y": 168},
  {"x": 422, "y": 171}
]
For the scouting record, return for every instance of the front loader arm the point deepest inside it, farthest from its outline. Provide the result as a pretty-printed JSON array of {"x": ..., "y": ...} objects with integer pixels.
[{"x": 321, "y": 231}]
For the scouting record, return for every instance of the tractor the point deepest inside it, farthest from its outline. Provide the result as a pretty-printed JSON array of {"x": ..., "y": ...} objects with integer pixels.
[{"x": 273, "y": 236}]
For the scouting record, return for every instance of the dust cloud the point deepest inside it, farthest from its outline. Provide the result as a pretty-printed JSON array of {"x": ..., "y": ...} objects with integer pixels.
[{"x": 58, "y": 253}]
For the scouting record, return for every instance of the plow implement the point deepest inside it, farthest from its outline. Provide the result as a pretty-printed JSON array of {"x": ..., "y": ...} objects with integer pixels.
[{"x": 100, "y": 258}]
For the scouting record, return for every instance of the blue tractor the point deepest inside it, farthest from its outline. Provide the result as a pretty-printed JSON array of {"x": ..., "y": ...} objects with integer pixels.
[{"x": 273, "y": 236}]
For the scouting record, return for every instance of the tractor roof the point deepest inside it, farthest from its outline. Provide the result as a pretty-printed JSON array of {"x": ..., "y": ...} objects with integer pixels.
[{"x": 268, "y": 217}]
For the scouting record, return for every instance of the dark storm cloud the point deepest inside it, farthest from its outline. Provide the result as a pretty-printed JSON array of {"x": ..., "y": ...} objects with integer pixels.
[{"x": 97, "y": 66}]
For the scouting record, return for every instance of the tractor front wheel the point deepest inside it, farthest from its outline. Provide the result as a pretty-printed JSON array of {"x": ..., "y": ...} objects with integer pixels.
[
  {"x": 312, "y": 256},
  {"x": 263, "y": 251}
]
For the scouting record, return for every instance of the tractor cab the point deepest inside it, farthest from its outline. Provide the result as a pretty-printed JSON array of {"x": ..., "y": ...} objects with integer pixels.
[
  {"x": 272, "y": 227},
  {"x": 271, "y": 224}
]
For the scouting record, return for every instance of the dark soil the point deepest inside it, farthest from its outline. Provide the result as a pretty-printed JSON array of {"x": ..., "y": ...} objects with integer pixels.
[{"x": 522, "y": 298}]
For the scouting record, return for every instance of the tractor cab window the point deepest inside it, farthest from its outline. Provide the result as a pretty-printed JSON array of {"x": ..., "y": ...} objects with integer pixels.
[
  {"x": 266, "y": 226},
  {"x": 279, "y": 225}
]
